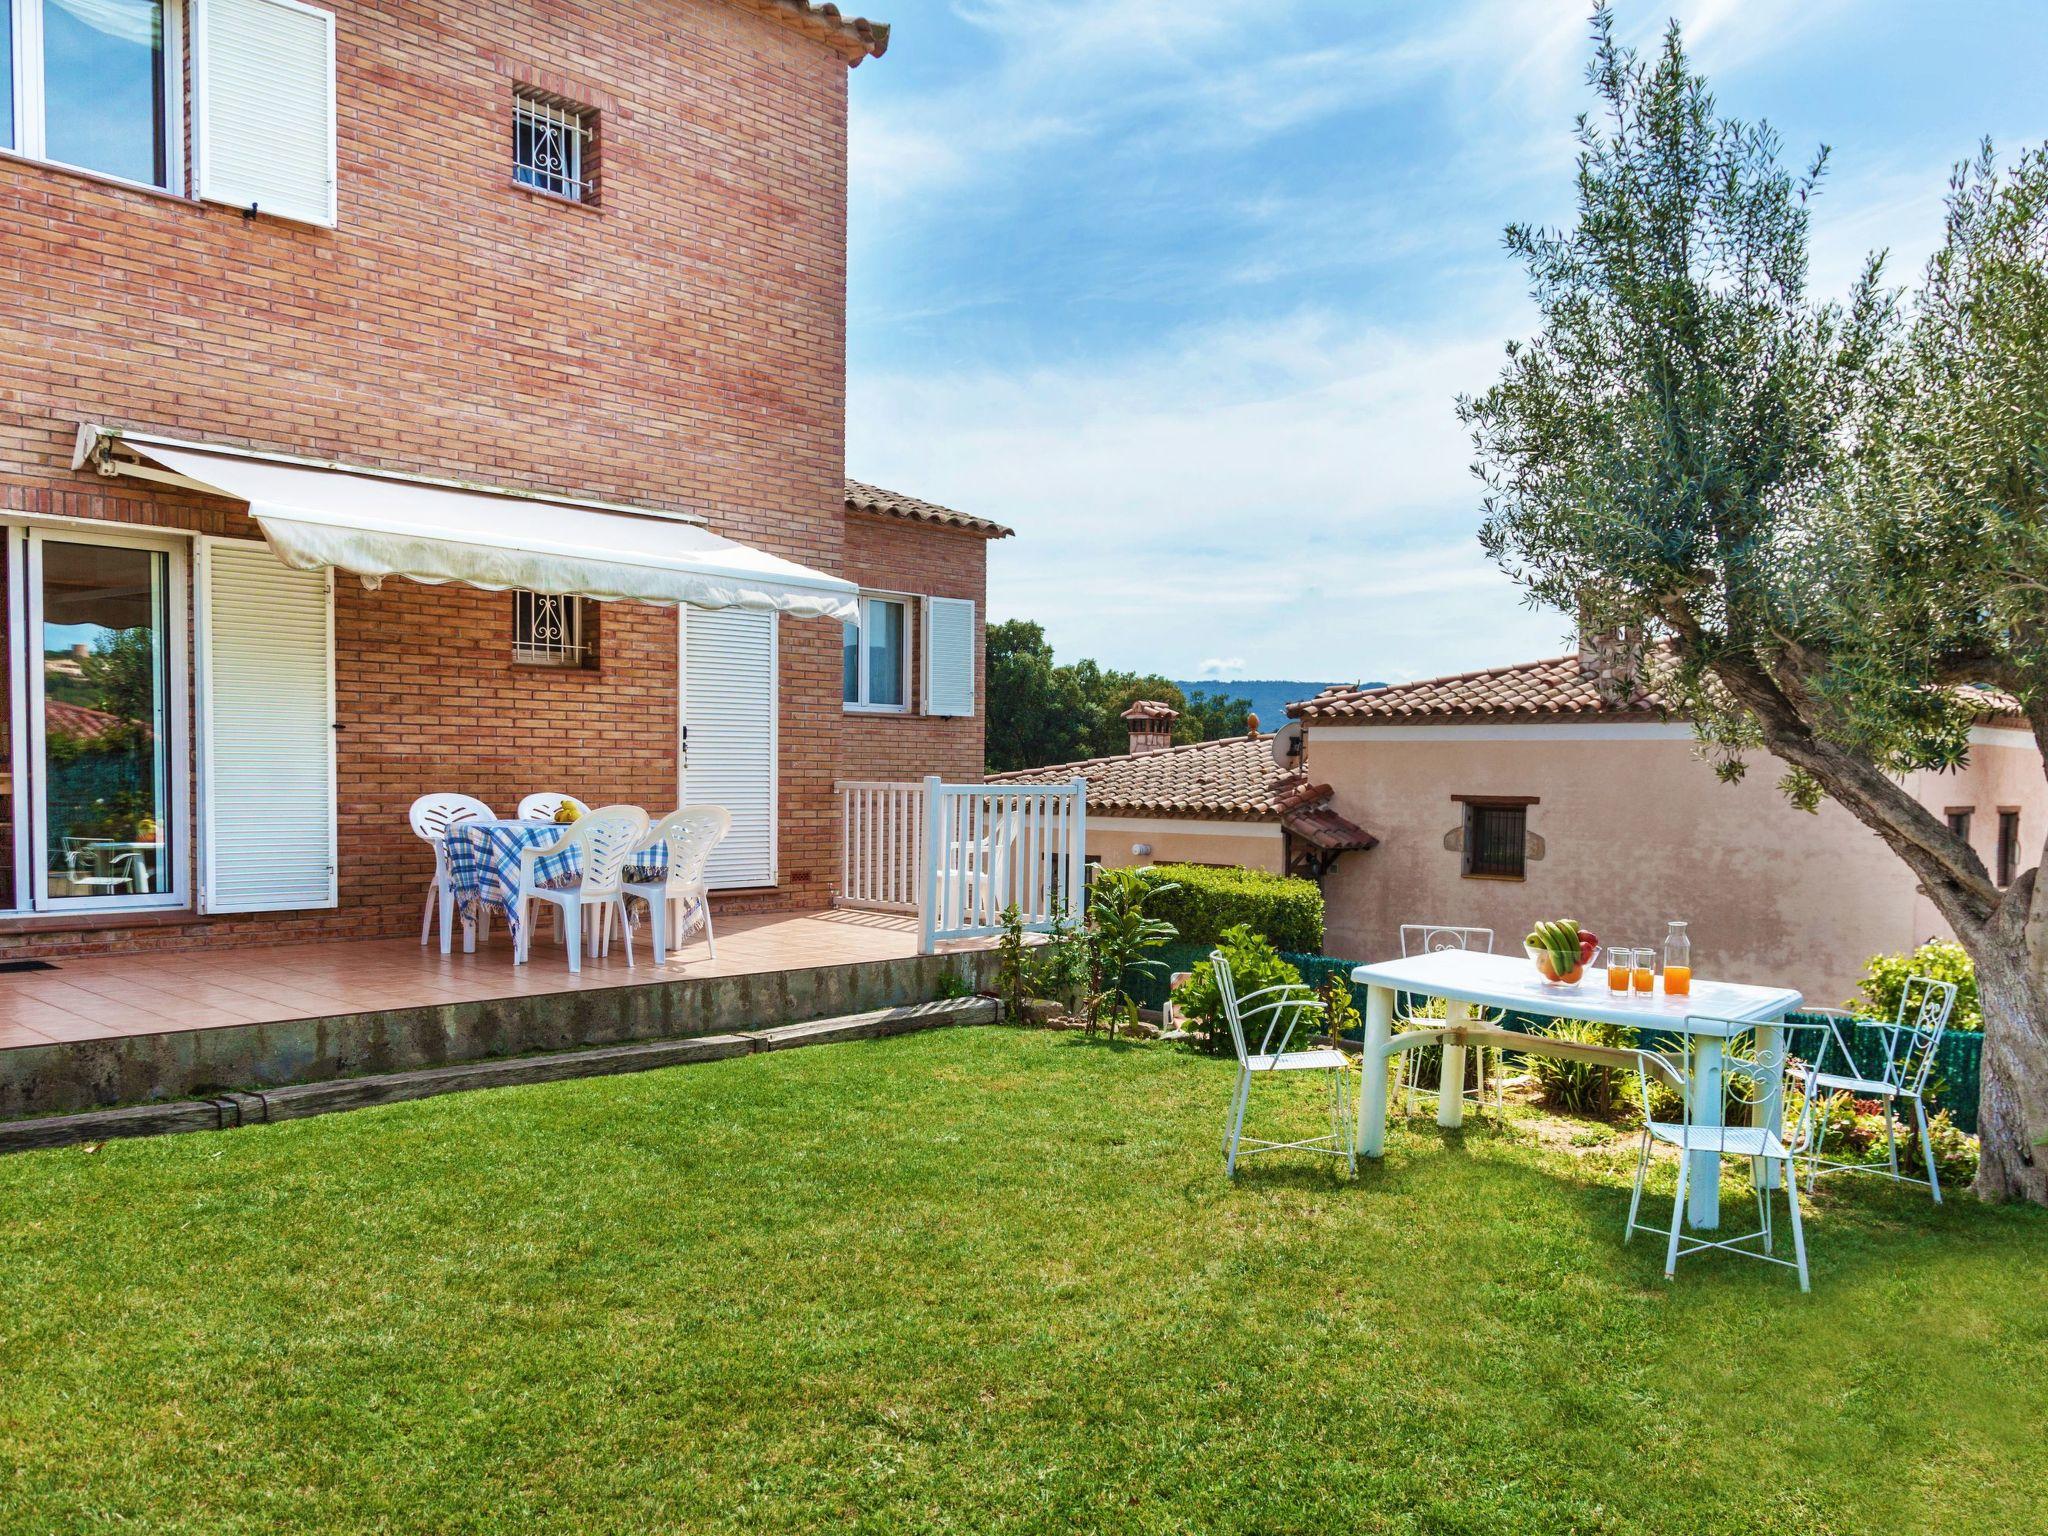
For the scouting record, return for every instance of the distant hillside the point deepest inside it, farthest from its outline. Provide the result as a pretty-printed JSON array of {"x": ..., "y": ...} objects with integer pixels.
[{"x": 1270, "y": 696}]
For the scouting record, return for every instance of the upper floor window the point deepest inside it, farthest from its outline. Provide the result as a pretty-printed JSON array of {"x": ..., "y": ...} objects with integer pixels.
[
  {"x": 554, "y": 145},
  {"x": 1959, "y": 820},
  {"x": 87, "y": 83},
  {"x": 875, "y": 655}
]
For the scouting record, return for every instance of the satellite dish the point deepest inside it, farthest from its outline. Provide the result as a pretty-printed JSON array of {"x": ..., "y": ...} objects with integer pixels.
[{"x": 1287, "y": 746}]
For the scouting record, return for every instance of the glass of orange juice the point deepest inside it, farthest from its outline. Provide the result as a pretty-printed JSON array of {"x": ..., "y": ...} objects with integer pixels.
[
  {"x": 1644, "y": 972},
  {"x": 1620, "y": 961}
]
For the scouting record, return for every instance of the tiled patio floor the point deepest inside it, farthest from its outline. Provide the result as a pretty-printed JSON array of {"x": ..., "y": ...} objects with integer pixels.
[{"x": 94, "y": 999}]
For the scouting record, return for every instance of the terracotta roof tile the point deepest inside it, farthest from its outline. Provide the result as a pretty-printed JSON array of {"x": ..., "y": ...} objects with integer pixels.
[
  {"x": 872, "y": 498},
  {"x": 1556, "y": 688},
  {"x": 854, "y": 36},
  {"x": 1150, "y": 709},
  {"x": 1230, "y": 779}
]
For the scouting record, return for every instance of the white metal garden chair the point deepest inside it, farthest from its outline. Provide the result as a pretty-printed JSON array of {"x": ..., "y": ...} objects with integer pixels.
[
  {"x": 431, "y": 817},
  {"x": 544, "y": 805},
  {"x": 602, "y": 842},
  {"x": 1280, "y": 1009},
  {"x": 1429, "y": 939},
  {"x": 1910, "y": 1043},
  {"x": 677, "y": 894},
  {"x": 1749, "y": 1075}
]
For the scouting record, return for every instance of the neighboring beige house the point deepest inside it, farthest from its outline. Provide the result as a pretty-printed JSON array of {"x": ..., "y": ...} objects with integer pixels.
[
  {"x": 1535, "y": 790},
  {"x": 1214, "y": 802}
]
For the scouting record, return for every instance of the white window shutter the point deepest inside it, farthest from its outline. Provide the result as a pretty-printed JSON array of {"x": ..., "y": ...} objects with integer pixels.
[
  {"x": 263, "y": 107},
  {"x": 266, "y": 742},
  {"x": 729, "y": 707},
  {"x": 948, "y": 656}
]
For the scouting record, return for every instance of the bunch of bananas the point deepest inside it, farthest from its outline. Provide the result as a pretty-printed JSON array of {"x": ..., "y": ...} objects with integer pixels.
[{"x": 1561, "y": 948}]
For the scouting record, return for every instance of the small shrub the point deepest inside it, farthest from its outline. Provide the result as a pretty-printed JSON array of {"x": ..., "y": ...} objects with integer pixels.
[
  {"x": 1014, "y": 967},
  {"x": 1121, "y": 938},
  {"x": 1884, "y": 982},
  {"x": 1856, "y": 1134},
  {"x": 1340, "y": 1008},
  {"x": 1202, "y": 903},
  {"x": 1254, "y": 963},
  {"x": 1575, "y": 1087},
  {"x": 1060, "y": 968}
]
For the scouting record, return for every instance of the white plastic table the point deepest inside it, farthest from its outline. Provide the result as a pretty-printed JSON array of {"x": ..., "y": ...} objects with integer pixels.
[{"x": 1468, "y": 979}]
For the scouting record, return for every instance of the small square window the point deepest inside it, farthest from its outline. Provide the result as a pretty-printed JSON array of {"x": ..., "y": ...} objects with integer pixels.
[
  {"x": 1959, "y": 820},
  {"x": 549, "y": 630},
  {"x": 1496, "y": 840},
  {"x": 554, "y": 146}
]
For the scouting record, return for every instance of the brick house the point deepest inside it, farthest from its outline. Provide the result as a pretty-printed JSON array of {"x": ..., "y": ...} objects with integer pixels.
[{"x": 432, "y": 397}]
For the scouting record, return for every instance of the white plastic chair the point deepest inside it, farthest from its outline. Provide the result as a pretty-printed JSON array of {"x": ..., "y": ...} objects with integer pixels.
[
  {"x": 1910, "y": 1043},
  {"x": 1429, "y": 939},
  {"x": 1283, "y": 1009},
  {"x": 1748, "y": 1077},
  {"x": 603, "y": 841},
  {"x": 542, "y": 806},
  {"x": 690, "y": 835},
  {"x": 431, "y": 817}
]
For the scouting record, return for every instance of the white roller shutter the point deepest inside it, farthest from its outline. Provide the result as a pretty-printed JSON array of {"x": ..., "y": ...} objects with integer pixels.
[
  {"x": 948, "y": 656},
  {"x": 263, "y": 107},
  {"x": 266, "y": 721},
  {"x": 729, "y": 701}
]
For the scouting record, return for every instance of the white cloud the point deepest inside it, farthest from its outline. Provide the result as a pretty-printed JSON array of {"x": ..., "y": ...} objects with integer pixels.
[{"x": 1219, "y": 666}]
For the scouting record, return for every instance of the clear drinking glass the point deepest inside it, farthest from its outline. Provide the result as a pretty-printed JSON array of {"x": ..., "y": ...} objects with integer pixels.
[
  {"x": 1620, "y": 961},
  {"x": 1644, "y": 973}
]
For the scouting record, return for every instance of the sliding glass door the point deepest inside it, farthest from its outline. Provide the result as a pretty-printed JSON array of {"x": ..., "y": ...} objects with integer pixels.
[{"x": 104, "y": 645}]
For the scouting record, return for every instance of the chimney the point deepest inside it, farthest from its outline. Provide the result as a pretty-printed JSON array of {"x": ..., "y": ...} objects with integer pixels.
[
  {"x": 1613, "y": 659},
  {"x": 1151, "y": 724}
]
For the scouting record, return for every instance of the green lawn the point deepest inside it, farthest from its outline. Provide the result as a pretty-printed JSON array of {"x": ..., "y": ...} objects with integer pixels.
[{"x": 973, "y": 1280}]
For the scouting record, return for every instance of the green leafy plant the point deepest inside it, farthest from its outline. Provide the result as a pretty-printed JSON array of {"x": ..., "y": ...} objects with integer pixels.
[
  {"x": 1575, "y": 1087},
  {"x": 1254, "y": 965},
  {"x": 1856, "y": 1133},
  {"x": 1203, "y": 902},
  {"x": 1014, "y": 967},
  {"x": 1340, "y": 1008},
  {"x": 1884, "y": 982},
  {"x": 1061, "y": 967},
  {"x": 1122, "y": 936}
]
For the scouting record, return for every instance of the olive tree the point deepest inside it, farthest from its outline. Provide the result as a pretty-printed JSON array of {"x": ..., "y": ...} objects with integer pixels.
[{"x": 1823, "y": 520}]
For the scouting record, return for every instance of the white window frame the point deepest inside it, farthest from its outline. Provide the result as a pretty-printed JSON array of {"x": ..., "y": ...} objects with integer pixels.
[
  {"x": 573, "y": 653},
  {"x": 31, "y": 122},
  {"x": 865, "y": 690},
  {"x": 32, "y": 829}
]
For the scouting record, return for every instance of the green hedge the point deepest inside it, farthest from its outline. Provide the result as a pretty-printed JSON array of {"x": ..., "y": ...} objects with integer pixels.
[{"x": 1287, "y": 910}]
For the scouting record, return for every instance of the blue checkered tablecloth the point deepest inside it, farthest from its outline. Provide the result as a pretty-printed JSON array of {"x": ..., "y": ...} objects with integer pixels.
[{"x": 483, "y": 864}]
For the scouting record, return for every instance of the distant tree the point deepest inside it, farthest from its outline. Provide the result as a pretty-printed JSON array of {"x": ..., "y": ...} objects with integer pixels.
[
  {"x": 1831, "y": 514},
  {"x": 1040, "y": 711},
  {"x": 1037, "y": 711}
]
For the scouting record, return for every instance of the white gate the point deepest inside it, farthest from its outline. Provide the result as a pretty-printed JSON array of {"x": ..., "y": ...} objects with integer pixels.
[
  {"x": 992, "y": 846},
  {"x": 881, "y": 845}
]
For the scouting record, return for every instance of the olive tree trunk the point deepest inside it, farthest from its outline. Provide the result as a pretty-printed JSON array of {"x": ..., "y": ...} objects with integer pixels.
[{"x": 2011, "y": 957}]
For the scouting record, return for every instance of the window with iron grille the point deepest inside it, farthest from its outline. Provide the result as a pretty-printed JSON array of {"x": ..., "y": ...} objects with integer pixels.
[
  {"x": 549, "y": 631},
  {"x": 1496, "y": 840},
  {"x": 554, "y": 145}
]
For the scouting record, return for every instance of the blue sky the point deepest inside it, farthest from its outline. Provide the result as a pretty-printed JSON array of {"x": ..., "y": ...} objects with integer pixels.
[{"x": 1183, "y": 289}]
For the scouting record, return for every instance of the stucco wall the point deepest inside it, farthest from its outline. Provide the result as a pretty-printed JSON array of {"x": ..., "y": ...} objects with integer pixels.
[
  {"x": 1635, "y": 832},
  {"x": 1246, "y": 844}
]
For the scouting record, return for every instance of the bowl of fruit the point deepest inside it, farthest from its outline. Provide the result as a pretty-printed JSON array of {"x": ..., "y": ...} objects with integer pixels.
[{"x": 1561, "y": 951}]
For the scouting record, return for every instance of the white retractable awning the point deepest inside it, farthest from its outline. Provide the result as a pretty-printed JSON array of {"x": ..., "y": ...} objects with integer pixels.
[{"x": 376, "y": 524}]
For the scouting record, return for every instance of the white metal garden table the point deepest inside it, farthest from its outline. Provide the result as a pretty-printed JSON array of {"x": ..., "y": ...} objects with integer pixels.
[{"x": 1467, "y": 979}]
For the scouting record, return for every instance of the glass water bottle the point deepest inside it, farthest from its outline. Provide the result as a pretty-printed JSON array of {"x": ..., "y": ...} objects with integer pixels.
[{"x": 1677, "y": 962}]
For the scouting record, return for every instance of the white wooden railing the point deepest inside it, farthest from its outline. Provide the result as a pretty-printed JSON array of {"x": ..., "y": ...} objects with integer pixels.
[
  {"x": 958, "y": 854},
  {"x": 881, "y": 845},
  {"x": 992, "y": 846}
]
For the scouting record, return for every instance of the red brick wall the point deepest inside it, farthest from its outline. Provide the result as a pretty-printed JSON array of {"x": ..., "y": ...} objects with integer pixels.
[
  {"x": 681, "y": 345},
  {"x": 888, "y": 554}
]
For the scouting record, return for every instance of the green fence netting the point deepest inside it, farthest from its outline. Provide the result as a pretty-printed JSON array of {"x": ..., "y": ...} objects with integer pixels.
[{"x": 1952, "y": 1086}]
